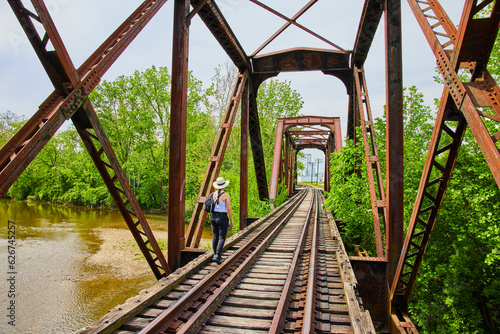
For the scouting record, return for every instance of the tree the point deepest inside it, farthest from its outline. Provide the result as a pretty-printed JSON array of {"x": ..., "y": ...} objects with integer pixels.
[
  {"x": 135, "y": 112},
  {"x": 276, "y": 99},
  {"x": 10, "y": 123}
]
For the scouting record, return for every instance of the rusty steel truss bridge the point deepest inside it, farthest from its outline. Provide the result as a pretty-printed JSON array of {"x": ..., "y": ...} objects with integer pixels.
[{"x": 387, "y": 280}]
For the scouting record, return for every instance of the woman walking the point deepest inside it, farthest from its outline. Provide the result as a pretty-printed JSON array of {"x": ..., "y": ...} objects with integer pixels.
[{"x": 219, "y": 220}]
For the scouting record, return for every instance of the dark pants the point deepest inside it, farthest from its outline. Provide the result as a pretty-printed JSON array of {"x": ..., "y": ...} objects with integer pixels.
[{"x": 220, "y": 224}]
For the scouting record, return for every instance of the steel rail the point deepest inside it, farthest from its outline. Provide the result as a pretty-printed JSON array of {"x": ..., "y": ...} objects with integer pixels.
[
  {"x": 279, "y": 318},
  {"x": 254, "y": 246},
  {"x": 309, "y": 310}
]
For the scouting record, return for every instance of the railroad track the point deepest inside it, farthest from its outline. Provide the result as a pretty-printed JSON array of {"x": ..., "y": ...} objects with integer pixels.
[{"x": 287, "y": 273}]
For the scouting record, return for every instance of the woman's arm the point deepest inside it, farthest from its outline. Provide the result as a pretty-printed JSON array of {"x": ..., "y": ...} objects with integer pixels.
[{"x": 229, "y": 211}]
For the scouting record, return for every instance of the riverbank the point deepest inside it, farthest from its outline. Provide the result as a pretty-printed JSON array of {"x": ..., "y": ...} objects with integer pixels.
[
  {"x": 120, "y": 253},
  {"x": 100, "y": 207}
]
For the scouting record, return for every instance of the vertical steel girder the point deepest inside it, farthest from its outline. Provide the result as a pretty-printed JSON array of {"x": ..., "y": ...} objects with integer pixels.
[
  {"x": 195, "y": 229},
  {"x": 244, "y": 156},
  {"x": 178, "y": 129},
  {"x": 375, "y": 181},
  {"x": 394, "y": 129},
  {"x": 70, "y": 100},
  {"x": 256, "y": 141},
  {"x": 471, "y": 48},
  {"x": 277, "y": 159}
]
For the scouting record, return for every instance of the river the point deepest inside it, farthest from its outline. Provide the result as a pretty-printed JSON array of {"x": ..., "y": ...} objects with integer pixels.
[{"x": 69, "y": 265}]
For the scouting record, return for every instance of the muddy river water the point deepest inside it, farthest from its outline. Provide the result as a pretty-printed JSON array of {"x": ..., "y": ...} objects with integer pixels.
[{"x": 68, "y": 266}]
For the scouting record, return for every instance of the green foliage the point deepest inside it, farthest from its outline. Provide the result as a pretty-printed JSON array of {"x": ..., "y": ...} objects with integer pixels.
[
  {"x": 458, "y": 281},
  {"x": 10, "y": 123},
  {"x": 276, "y": 99},
  {"x": 462, "y": 264},
  {"x": 349, "y": 198}
]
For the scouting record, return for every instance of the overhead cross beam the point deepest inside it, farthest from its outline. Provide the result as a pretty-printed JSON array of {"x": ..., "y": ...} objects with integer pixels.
[
  {"x": 70, "y": 100},
  {"x": 301, "y": 59}
]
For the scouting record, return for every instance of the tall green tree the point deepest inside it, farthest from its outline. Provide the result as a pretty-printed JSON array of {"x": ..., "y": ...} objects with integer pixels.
[{"x": 135, "y": 112}]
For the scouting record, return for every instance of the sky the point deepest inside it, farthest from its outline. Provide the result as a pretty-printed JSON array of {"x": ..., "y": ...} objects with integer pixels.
[{"x": 84, "y": 25}]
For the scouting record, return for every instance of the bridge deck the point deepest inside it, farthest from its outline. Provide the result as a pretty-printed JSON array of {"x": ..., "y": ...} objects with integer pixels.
[{"x": 276, "y": 280}]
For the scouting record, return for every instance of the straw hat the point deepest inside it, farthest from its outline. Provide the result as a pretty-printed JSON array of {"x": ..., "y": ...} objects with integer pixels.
[{"x": 220, "y": 183}]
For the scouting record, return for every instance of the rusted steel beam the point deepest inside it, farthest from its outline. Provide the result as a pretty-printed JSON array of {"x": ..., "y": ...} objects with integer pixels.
[
  {"x": 320, "y": 147},
  {"x": 178, "y": 129},
  {"x": 18, "y": 153},
  {"x": 244, "y": 156},
  {"x": 449, "y": 128},
  {"x": 476, "y": 37},
  {"x": 401, "y": 323},
  {"x": 293, "y": 172},
  {"x": 370, "y": 19},
  {"x": 291, "y": 21},
  {"x": 122, "y": 194},
  {"x": 337, "y": 133},
  {"x": 195, "y": 229},
  {"x": 323, "y": 134},
  {"x": 277, "y": 159},
  {"x": 311, "y": 120},
  {"x": 72, "y": 101},
  {"x": 58, "y": 73},
  {"x": 311, "y": 142},
  {"x": 217, "y": 24},
  {"x": 395, "y": 176},
  {"x": 290, "y": 177},
  {"x": 301, "y": 59},
  {"x": 287, "y": 149},
  {"x": 374, "y": 171},
  {"x": 328, "y": 153},
  {"x": 458, "y": 105},
  {"x": 256, "y": 141},
  {"x": 195, "y": 10},
  {"x": 353, "y": 121},
  {"x": 102, "y": 59}
]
